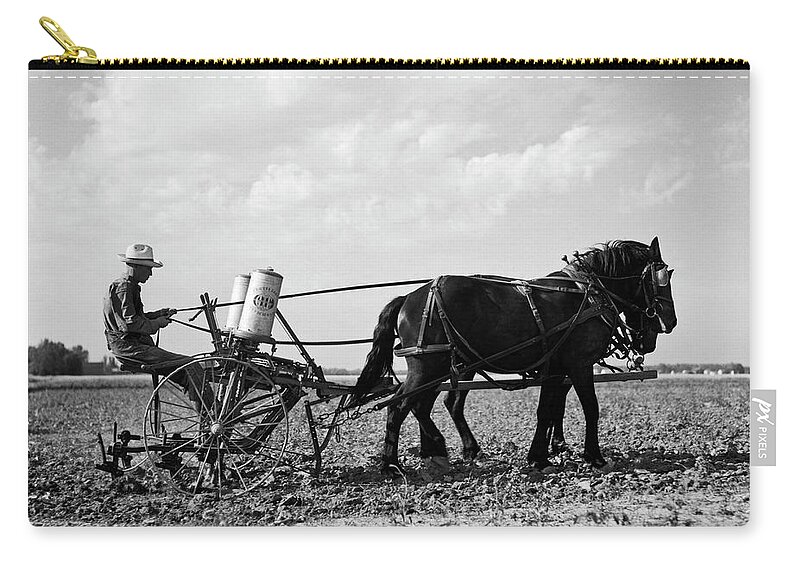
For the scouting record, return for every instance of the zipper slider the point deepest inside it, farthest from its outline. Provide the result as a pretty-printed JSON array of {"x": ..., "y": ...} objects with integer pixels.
[{"x": 72, "y": 52}]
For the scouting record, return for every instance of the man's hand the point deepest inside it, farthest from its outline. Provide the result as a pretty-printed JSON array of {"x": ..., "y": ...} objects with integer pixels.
[
  {"x": 162, "y": 322},
  {"x": 167, "y": 312}
]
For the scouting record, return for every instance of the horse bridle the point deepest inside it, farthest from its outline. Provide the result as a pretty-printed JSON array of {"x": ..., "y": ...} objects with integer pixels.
[{"x": 659, "y": 278}]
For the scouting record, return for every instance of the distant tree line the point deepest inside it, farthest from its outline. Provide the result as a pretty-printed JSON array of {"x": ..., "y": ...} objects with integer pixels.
[
  {"x": 330, "y": 371},
  {"x": 683, "y": 368},
  {"x": 50, "y": 358}
]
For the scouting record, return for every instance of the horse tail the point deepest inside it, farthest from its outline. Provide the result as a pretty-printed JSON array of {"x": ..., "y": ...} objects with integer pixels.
[{"x": 379, "y": 359}]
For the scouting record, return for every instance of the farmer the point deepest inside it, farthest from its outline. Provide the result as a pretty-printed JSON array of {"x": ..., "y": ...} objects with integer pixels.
[{"x": 128, "y": 327}]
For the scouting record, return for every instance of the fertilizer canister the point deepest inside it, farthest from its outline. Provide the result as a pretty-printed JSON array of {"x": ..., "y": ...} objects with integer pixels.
[
  {"x": 238, "y": 294},
  {"x": 260, "y": 305}
]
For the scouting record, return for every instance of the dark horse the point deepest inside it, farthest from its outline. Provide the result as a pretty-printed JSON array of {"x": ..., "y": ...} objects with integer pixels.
[{"x": 485, "y": 318}]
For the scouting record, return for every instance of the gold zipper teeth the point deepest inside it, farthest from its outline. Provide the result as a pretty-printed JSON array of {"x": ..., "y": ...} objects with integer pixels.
[
  {"x": 440, "y": 63},
  {"x": 77, "y": 55}
]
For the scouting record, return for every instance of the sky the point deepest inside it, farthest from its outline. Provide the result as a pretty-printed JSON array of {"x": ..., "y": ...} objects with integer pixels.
[{"x": 337, "y": 178}]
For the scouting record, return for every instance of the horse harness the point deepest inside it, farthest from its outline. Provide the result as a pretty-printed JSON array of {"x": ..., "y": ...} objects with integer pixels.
[{"x": 465, "y": 359}]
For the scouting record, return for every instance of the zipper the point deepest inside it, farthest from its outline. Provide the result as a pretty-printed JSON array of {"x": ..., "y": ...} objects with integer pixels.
[
  {"x": 72, "y": 52},
  {"x": 75, "y": 56}
]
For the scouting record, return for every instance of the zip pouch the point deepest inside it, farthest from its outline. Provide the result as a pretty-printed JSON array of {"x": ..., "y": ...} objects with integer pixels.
[{"x": 382, "y": 292}]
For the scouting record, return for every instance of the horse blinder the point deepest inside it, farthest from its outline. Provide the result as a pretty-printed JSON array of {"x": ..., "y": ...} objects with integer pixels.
[{"x": 661, "y": 276}]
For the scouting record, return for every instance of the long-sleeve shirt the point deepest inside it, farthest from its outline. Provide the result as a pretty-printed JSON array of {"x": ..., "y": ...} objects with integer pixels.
[{"x": 123, "y": 311}]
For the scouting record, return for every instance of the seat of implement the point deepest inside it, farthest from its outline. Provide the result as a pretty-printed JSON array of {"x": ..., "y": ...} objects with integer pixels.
[{"x": 130, "y": 365}]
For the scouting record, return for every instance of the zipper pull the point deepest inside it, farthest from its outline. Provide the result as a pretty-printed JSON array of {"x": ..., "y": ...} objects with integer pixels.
[{"x": 72, "y": 52}]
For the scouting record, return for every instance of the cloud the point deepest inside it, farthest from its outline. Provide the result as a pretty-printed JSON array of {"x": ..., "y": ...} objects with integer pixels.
[
  {"x": 449, "y": 139},
  {"x": 566, "y": 165},
  {"x": 660, "y": 185},
  {"x": 360, "y": 152},
  {"x": 321, "y": 156},
  {"x": 282, "y": 186}
]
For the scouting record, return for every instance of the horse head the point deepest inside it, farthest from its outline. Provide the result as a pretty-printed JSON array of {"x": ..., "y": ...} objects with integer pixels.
[
  {"x": 653, "y": 309},
  {"x": 641, "y": 280},
  {"x": 656, "y": 285}
]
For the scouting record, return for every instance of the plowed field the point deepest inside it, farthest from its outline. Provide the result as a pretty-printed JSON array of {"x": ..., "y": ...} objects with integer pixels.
[{"x": 679, "y": 447}]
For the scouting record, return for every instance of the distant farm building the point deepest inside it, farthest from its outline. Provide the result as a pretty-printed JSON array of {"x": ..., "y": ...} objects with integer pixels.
[{"x": 106, "y": 366}]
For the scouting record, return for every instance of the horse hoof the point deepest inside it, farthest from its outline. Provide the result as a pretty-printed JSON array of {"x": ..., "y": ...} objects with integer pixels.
[
  {"x": 543, "y": 466},
  {"x": 392, "y": 471},
  {"x": 437, "y": 463},
  {"x": 606, "y": 468},
  {"x": 599, "y": 464},
  {"x": 470, "y": 455}
]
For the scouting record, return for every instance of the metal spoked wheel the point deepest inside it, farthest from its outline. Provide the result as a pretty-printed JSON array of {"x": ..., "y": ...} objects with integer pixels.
[{"x": 216, "y": 424}]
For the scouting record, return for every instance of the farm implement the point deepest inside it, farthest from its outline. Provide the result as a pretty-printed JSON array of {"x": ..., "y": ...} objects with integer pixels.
[{"x": 219, "y": 422}]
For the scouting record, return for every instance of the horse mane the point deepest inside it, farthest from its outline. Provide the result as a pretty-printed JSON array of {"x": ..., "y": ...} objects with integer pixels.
[{"x": 615, "y": 257}]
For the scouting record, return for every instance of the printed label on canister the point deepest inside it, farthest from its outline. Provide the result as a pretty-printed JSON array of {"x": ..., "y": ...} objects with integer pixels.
[
  {"x": 238, "y": 294},
  {"x": 260, "y": 304}
]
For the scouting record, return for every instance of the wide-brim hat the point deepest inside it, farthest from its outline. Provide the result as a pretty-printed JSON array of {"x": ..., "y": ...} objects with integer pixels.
[{"x": 139, "y": 254}]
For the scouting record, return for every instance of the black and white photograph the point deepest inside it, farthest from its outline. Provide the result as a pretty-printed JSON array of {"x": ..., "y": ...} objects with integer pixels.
[
  {"x": 453, "y": 295},
  {"x": 429, "y": 284}
]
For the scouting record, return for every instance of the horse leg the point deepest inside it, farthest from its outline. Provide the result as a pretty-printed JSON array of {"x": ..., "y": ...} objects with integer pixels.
[
  {"x": 395, "y": 415},
  {"x": 557, "y": 442},
  {"x": 550, "y": 399},
  {"x": 419, "y": 371},
  {"x": 583, "y": 381},
  {"x": 432, "y": 444},
  {"x": 454, "y": 402}
]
